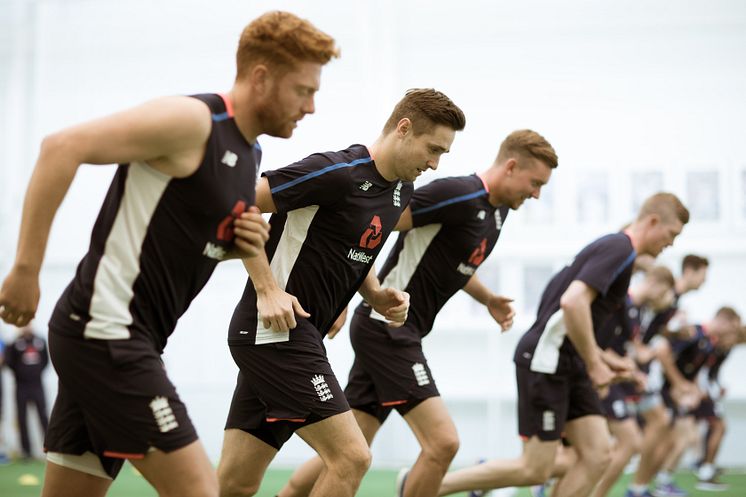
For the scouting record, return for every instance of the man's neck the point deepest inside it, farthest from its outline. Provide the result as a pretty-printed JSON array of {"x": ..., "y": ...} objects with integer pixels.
[
  {"x": 381, "y": 153},
  {"x": 491, "y": 179},
  {"x": 681, "y": 286},
  {"x": 246, "y": 121}
]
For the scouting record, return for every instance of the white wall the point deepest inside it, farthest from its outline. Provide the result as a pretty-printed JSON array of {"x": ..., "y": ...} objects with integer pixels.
[{"x": 618, "y": 89}]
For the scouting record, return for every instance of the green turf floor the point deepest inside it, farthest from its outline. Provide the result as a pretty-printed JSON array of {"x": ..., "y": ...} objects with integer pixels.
[{"x": 23, "y": 479}]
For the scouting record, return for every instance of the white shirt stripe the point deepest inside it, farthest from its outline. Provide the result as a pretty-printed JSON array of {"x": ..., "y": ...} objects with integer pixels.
[
  {"x": 547, "y": 352},
  {"x": 293, "y": 236},
  {"x": 120, "y": 263},
  {"x": 416, "y": 242}
]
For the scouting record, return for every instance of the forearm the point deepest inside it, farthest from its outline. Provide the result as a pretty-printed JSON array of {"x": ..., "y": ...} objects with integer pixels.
[
  {"x": 664, "y": 355},
  {"x": 260, "y": 272},
  {"x": 371, "y": 286},
  {"x": 579, "y": 327},
  {"x": 50, "y": 181},
  {"x": 476, "y": 289}
]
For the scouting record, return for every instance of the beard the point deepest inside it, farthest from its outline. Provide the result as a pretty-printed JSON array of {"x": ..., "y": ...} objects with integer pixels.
[{"x": 271, "y": 117}]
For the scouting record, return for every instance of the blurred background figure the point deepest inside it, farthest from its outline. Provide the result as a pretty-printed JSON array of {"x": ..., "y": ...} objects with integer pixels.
[{"x": 27, "y": 357}]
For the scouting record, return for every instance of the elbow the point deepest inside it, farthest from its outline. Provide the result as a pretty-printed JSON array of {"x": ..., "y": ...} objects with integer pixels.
[
  {"x": 59, "y": 146},
  {"x": 52, "y": 144},
  {"x": 568, "y": 303}
]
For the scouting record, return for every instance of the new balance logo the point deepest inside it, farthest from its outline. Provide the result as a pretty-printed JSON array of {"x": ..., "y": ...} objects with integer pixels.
[
  {"x": 547, "y": 421},
  {"x": 365, "y": 186},
  {"x": 322, "y": 389},
  {"x": 163, "y": 414},
  {"x": 214, "y": 251},
  {"x": 397, "y": 195},
  {"x": 229, "y": 159},
  {"x": 420, "y": 374}
]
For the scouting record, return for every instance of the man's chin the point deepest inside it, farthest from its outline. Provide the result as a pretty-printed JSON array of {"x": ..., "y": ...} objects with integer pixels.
[{"x": 280, "y": 133}]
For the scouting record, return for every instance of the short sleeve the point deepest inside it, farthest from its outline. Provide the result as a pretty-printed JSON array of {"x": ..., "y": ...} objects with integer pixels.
[
  {"x": 442, "y": 202},
  {"x": 608, "y": 259},
  {"x": 315, "y": 180}
]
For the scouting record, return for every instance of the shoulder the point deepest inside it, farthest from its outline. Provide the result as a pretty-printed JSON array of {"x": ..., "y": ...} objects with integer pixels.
[
  {"x": 454, "y": 186},
  {"x": 181, "y": 111},
  {"x": 339, "y": 161},
  {"x": 614, "y": 240}
]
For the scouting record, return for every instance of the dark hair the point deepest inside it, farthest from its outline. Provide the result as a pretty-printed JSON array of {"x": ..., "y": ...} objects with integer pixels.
[
  {"x": 728, "y": 313},
  {"x": 694, "y": 262}
]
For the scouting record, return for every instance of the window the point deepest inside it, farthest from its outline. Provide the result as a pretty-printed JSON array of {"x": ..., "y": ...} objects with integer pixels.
[
  {"x": 643, "y": 185},
  {"x": 535, "y": 278},
  {"x": 703, "y": 195},
  {"x": 593, "y": 197}
]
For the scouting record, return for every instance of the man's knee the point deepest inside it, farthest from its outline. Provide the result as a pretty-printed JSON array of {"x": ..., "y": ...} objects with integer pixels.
[
  {"x": 536, "y": 472},
  {"x": 630, "y": 442},
  {"x": 597, "y": 458},
  {"x": 354, "y": 459},
  {"x": 234, "y": 485},
  {"x": 443, "y": 450},
  {"x": 235, "y": 488}
]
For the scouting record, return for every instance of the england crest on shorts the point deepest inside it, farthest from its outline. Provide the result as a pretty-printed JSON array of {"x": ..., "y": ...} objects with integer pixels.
[{"x": 322, "y": 389}]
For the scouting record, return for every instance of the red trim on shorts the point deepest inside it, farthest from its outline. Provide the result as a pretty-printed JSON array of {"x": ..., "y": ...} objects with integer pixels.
[
  {"x": 122, "y": 455},
  {"x": 228, "y": 104},
  {"x": 524, "y": 438},
  {"x": 486, "y": 187},
  {"x": 292, "y": 420},
  {"x": 394, "y": 403}
]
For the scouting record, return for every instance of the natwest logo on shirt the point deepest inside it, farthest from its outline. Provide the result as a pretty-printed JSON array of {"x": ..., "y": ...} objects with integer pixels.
[
  {"x": 373, "y": 235},
  {"x": 359, "y": 256}
]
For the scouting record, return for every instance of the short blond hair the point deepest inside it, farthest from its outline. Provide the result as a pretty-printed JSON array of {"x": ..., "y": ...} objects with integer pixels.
[
  {"x": 527, "y": 143},
  {"x": 426, "y": 108},
  {"x": 281, "y": 40},
  {"x": 666, "y": 205},
  {"x": 661, "y": 274}
]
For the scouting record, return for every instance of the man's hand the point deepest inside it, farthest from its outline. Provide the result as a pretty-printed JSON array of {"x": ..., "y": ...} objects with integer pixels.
[
  {"x": 501, "y": 311},
  {"x": 643, "y": 353},
  {"x": 19, "y": 296},
  {"x": 621, "y": 365},
  {"x": 251, "y": 233},
  {"x": 277, "y": 310},
  {"x": 601, "y": 376},
  {"x": 687, "y": 394},
  {"x": 338, "y": 324},
  {"x": 640, "y": 380},
  {"x": 392, "y": 304}
]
